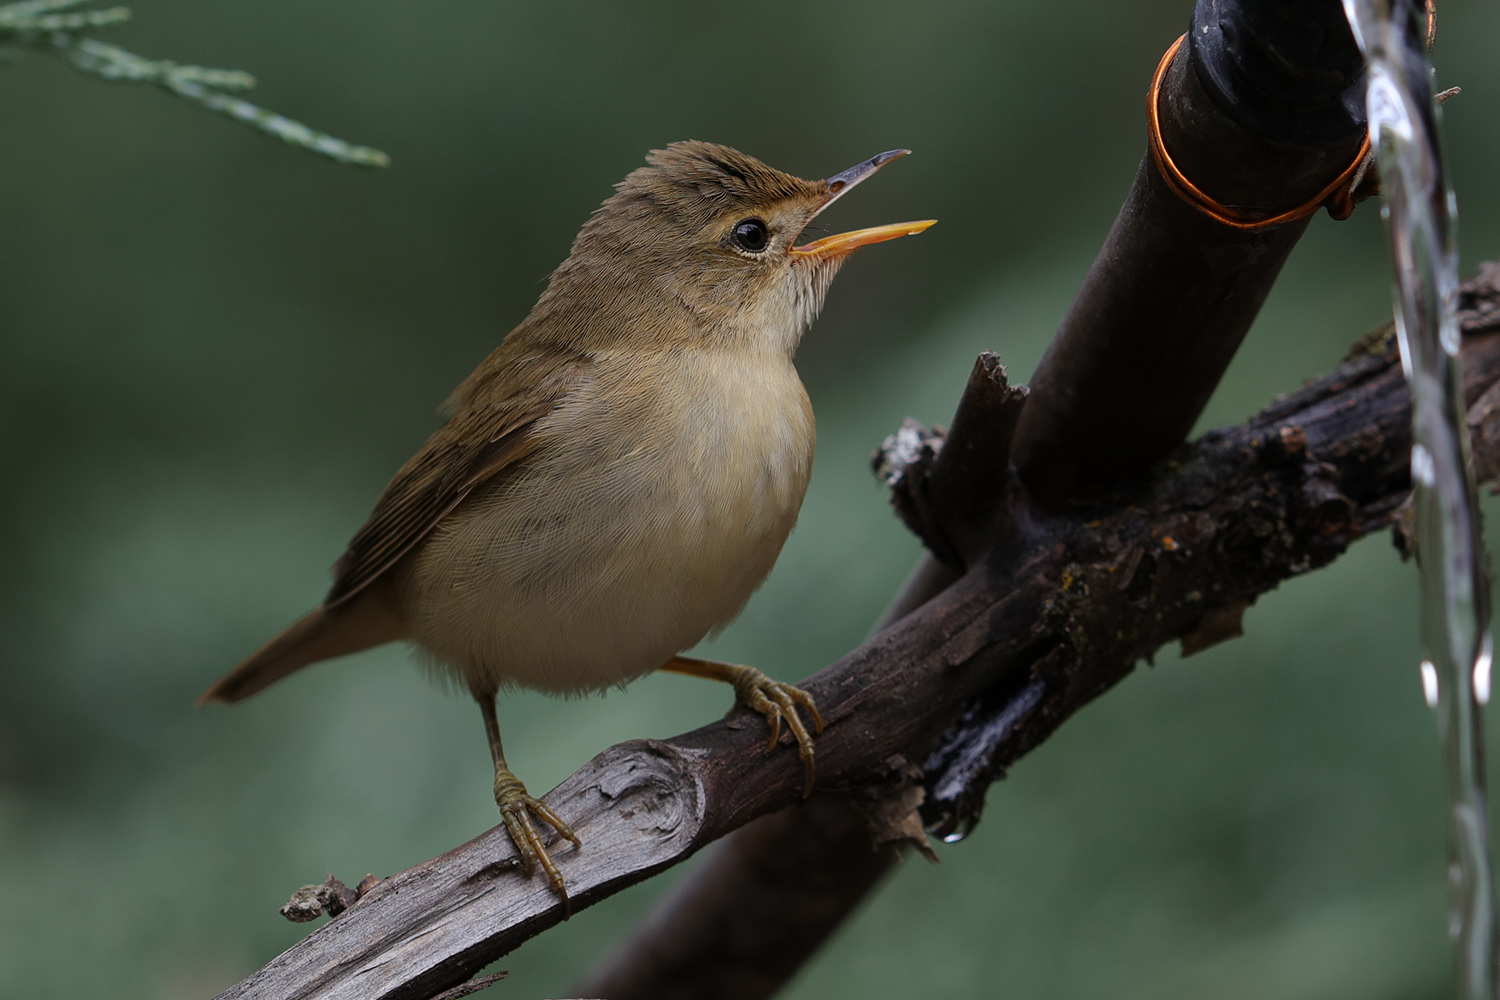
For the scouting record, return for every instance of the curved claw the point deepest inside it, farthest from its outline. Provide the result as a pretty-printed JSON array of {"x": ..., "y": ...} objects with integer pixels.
[
  {"x": 773, "y": 713},
  {"x": 806, "y": 701},
  {"x": 517, "y": 807},
  {"x": 777, "y": 701}
]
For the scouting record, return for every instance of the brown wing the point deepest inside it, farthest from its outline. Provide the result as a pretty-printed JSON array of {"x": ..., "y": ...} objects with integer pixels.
[{"x": 481, "y": 439}]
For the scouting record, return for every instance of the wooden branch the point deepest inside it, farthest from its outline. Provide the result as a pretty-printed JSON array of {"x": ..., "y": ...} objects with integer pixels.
[
  {"x": 946, "y": 486},
  {"x": 752, "y": 913},
  {"x": 767, "y": 895},
  {"x": 1066, "y": 603}
]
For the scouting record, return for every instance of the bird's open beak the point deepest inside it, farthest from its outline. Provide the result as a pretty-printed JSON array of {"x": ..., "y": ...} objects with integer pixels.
[
  {"x": 832, "y": 246},
  {"x": 845, "y": 243}
]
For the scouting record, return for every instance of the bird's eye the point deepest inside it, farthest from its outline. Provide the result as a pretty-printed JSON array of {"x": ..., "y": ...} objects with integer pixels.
[{"x": 751, "y": 235}]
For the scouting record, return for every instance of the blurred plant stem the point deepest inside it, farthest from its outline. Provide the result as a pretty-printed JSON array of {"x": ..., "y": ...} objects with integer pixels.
[{"x": 48, "y": 26}]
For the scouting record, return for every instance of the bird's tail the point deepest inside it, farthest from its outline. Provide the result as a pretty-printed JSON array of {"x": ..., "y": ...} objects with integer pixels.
[{"x": 325, "y": 633}]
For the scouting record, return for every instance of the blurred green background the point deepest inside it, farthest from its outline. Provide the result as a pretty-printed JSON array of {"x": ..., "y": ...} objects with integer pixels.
[{"x": 214, "y": 350}]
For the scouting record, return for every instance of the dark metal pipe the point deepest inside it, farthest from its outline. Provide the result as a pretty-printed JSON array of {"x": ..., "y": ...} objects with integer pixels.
[{"x": 1256, "y": 111}]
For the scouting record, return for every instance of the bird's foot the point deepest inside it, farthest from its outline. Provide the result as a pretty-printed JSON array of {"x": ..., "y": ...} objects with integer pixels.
[
  {"x": 777, "y": 701},
  {"x": 517, "y": 809}
]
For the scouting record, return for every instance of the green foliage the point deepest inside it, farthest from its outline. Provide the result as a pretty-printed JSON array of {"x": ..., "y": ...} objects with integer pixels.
[{"x": 36, "y": 24}]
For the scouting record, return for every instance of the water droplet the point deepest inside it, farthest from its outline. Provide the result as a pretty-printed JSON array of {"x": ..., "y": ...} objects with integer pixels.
[
  {"x": 1449, "y": 337},
  {"x": 1482, "y": 671},
  {"x": 1429, "y": 683},
  {"x": 1386, "y": 108},
  {"x": 1421, "y": 466}
]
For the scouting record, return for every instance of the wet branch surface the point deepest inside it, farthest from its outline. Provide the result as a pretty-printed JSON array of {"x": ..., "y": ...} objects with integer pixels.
[{"x": 1056, "y": 609}]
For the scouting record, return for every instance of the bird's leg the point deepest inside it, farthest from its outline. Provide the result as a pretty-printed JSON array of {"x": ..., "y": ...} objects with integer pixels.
[
  {"x": 773, "y": 699},
  {"x": 517, "y": 807}
]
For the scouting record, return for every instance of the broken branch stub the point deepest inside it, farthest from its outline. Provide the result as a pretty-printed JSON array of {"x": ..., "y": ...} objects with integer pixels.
[{"x": 947, "y": 486}]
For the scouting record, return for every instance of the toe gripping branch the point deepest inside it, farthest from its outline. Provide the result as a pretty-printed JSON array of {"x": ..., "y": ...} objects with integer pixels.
[
  {"x": 517, "y": 807},
  {"x": 759, "y": 693},
  {"x": 777, "y": 701}
]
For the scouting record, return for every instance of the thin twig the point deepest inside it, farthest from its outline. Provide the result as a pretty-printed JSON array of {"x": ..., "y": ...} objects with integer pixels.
[{"x": 39, "y": 25}]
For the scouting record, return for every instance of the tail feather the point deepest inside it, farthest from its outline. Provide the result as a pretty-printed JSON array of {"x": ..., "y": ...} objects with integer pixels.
[{"x": 321, "y": 635}]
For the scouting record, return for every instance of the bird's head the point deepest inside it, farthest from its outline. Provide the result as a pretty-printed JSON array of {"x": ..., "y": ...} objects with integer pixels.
[{"x": 707, "y": 237}]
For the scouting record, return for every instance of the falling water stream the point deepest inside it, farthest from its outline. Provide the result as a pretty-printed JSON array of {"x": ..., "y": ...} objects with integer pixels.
[{"x": 1455, "y": 607}]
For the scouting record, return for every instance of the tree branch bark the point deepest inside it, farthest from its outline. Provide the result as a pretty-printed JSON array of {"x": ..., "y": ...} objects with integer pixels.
[{"x": 1062, "y": 605}]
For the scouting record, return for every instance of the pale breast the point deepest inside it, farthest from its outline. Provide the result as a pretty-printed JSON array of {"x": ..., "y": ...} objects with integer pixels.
[{"x": 657, "y": 504}]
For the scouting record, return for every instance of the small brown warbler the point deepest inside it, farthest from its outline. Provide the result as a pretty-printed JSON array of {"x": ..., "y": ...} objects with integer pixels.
[{"x": 619, "y": 475}]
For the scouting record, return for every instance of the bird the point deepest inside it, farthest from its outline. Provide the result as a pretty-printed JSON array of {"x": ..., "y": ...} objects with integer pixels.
[{"x": 618, "y": 476}]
